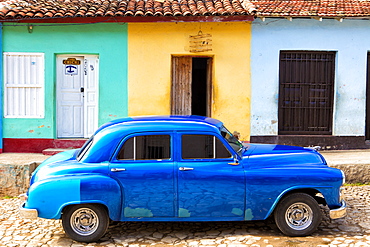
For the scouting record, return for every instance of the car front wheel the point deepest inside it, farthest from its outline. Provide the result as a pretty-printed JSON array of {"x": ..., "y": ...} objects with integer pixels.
[
  {"x": 85, "y": 223},
  {"x": 298, "y": 215}
]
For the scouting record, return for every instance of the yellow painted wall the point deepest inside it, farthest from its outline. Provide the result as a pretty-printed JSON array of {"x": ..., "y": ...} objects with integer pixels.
[{"x": 150, "y": 47}]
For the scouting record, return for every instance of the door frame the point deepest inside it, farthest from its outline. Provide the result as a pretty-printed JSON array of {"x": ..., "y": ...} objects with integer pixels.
[
  {"x": 181, "y": 80},
  {"x": 90, "y": 83}
]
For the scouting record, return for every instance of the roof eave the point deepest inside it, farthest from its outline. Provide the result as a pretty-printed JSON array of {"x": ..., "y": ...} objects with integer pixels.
[
  {"x": 319, "y": 18},
  {"x": 110, "y": 19}
]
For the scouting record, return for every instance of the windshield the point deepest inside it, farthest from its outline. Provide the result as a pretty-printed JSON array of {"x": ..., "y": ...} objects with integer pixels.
[{"x": 231, "y": 139}]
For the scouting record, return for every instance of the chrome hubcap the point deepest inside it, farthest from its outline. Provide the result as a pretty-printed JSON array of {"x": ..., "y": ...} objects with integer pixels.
[
  {"x": 84, "y": 221},
  {"x": 299, "y": 216}
]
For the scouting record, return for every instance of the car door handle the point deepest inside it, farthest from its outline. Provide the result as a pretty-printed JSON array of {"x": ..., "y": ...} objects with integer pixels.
[
  {"x": 117, "y": 169},
  {"x": 186, "y": 169}
]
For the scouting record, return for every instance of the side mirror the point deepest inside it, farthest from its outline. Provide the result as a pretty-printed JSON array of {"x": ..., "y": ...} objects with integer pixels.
[{"x": 235, "y": 163}]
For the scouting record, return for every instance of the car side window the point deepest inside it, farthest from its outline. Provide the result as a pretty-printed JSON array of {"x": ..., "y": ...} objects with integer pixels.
[
  {"x": 203, "y": 147},
  {"x": 147, "y": 147}
]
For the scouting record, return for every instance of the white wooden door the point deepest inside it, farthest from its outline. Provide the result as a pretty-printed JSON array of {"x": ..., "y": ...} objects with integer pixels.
[
  {"x": 91, "y": 85},
  {"x": 77, "y": 83}
]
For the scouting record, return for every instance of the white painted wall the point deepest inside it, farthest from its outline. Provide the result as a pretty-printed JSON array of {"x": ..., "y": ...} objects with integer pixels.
[{"x": 350, "y": 39}]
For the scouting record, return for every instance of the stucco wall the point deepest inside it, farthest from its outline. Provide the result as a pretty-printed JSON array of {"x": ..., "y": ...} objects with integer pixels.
[
  {"x": 151, "y": 46},
  {"x": 348, "y": 38},
  {"x": 109, "y": 41}
]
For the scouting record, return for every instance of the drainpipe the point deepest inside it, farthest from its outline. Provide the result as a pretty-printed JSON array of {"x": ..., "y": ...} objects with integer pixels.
[{"x": 1, "y": 88}]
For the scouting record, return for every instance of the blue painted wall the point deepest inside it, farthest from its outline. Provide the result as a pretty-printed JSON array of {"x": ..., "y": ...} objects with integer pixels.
[{"x": 350, "y": 39}]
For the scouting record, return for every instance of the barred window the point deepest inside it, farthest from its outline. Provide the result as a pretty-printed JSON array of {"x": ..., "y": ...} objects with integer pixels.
[{"x": 306, "y": 92}]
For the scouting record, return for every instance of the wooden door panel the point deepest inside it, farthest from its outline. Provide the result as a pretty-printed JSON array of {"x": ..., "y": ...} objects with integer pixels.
[{"x": 181, "y": 86}]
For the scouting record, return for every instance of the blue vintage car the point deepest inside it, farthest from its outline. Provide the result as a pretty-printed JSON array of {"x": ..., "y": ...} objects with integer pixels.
[{"x": 181, "y": 168}]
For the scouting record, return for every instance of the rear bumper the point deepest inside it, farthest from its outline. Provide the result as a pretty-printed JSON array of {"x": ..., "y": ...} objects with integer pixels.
[
  {"x": 27, "y": 213},
  {"x": 339, "y": 212}
]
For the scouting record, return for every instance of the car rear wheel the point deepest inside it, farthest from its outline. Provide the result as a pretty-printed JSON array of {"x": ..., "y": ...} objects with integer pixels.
[
  {"x": 298, "y": 215},
  {"x": 85, "y": 223}
]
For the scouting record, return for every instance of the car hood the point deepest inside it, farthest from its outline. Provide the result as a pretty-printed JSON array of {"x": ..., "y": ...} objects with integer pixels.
[
  {"x": 270, "y": 155},
  {"x": 65, "y": 164}
]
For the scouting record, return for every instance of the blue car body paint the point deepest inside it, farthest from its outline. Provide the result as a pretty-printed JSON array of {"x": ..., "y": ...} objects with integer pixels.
[{"x": 247, "y": 185}]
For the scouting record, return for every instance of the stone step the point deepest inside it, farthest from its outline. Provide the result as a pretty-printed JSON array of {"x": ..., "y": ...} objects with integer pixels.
[
  {"x": 52, "y": 151},
  {"x": 69, "y": 143},
  {"x": 61, "y": 145}
]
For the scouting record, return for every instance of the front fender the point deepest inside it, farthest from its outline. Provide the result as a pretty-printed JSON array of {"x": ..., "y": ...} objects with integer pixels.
[
  {"x": 50, "y": 196},
  {"x": 266, "y": 186},
  {"x": 295, "y": 189}
]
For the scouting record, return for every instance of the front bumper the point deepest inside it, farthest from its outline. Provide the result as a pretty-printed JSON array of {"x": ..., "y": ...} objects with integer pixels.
[
  {"x": 339, "y": 212},
  {"x": 27, "y": 213}
]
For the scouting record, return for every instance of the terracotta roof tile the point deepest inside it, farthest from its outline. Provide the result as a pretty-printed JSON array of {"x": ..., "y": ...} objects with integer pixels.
[
  {"x": 21, "y": 9},
  {"x": 312, "y": 8}
]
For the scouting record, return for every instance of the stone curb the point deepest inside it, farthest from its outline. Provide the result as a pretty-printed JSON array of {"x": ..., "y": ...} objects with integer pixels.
[
  {"x": 15, "y": 179},
  {"x": 355, "y": 173}
]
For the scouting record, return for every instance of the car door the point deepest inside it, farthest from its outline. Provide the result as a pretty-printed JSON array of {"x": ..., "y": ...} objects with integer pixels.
[
  {"x": 144, "y": 167},
  {"x": 210, "y": 182}
]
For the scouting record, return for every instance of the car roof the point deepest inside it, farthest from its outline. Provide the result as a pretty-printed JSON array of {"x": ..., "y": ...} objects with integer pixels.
[
  {"x": 109, "y": 135},
  {"x": 166, "y": 120}
]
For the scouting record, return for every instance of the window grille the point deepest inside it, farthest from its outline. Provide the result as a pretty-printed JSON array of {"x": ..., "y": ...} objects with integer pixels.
[{"x": 306, "y": 92}]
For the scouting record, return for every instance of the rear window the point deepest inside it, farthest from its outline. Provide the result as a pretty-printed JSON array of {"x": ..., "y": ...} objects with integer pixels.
[{"x": 147, "y": 147}]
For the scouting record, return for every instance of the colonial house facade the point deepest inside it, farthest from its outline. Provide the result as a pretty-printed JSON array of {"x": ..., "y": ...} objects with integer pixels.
[
  {"x": 310, "y": 73},
  {"x": 53, "y": 82},
  {"x": 289, "y": 72},
  {"x": 71, "y": 66}
]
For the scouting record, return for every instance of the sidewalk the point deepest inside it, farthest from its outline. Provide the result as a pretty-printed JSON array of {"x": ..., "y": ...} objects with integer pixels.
[
  {"x": 21, "y": 158},
  {"x": 354, "y": 163},
  {"x": 347, "y": 157}
]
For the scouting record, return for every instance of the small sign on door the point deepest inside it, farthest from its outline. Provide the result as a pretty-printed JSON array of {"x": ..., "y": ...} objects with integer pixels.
[{"x": 71, "y": 69}]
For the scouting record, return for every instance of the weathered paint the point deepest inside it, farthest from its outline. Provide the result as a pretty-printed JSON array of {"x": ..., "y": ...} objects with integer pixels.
[
  {"x": 274, "y": 35},
  {"x": 108, "y": 41},
  {"x": 151, "y": 46},
  {"x": 184, "y": 212},
  {"x": 137, "y": 212},
  {"x": 248, "y": 214},
  {"x": 237, "y": 211}
]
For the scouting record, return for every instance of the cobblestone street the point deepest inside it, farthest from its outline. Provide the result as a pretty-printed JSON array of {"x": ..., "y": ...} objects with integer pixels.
[{"x": 354, "y": 230}]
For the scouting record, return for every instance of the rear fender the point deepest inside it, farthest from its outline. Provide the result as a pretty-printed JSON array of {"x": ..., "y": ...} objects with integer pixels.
[{"x": 50, "y": 196}]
